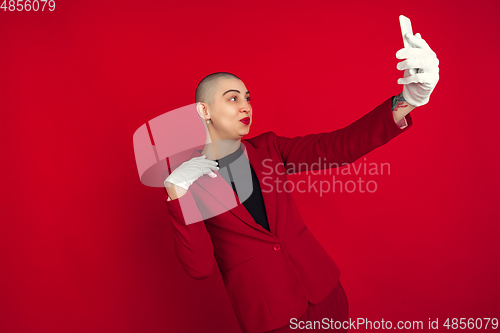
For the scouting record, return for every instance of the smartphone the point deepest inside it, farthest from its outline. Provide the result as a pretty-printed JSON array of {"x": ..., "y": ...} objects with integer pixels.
[{"x": 405, "y": 24}]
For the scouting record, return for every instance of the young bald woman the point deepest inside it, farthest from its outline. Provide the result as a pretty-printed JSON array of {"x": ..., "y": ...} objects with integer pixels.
[{"x": 278, "y": 276}]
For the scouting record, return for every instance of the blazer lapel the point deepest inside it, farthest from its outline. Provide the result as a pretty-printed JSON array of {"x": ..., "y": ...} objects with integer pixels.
[
  {"x": 223, "y": 192},
  {"x": 257, "y": 156}
]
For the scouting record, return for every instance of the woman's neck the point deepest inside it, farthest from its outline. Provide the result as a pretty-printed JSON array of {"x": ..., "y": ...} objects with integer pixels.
[{"x": 221, "y": 148}]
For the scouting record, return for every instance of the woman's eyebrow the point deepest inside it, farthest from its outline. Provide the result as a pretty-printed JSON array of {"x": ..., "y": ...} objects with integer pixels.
[{"x": 248, "y": 92}]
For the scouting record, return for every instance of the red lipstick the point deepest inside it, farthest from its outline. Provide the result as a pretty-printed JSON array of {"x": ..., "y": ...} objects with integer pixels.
[{"x": 245, "y": 120}]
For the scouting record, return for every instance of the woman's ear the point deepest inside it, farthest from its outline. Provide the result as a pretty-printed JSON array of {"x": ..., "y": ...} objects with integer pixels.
[{"x": 201, "y": 108}]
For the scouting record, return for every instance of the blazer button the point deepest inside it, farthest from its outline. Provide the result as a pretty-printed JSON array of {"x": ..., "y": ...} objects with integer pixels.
[{"x": 276, "y": 247}]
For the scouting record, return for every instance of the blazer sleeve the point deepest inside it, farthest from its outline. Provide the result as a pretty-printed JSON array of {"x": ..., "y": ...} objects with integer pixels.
[
  {"x": 342, "y": 146},
  {"x": 192, "y": 243}
]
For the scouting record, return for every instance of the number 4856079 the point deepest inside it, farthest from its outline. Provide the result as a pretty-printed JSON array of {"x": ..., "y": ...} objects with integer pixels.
[{"x": 28, "y": 5}]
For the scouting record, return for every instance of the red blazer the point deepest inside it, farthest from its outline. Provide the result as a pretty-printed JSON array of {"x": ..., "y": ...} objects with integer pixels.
[{"x": 270, "y": 276}]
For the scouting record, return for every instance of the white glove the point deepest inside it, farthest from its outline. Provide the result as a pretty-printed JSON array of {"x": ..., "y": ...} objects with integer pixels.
[
  {"x": 418, "y": 87},
  {"x": 191, "y": 170}
]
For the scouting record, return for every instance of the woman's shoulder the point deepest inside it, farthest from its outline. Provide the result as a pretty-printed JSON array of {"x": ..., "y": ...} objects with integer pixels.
[{"x": 261, "y": 140}]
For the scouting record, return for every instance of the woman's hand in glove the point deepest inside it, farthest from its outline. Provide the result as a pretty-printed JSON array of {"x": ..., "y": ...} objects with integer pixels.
[
  {"x": 184, "y": 175},
  {"x": 419, "y": 86}
]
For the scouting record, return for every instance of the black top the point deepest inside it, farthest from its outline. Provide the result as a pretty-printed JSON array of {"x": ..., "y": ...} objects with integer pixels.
[{"x": 255, "y": 202}]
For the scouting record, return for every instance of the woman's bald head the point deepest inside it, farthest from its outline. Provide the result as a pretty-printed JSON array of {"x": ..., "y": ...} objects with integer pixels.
[{"x": 205, "y": 91}]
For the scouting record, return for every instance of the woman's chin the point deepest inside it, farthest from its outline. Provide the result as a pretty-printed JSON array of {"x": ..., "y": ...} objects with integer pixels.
[{"x": 245, "y": 132}]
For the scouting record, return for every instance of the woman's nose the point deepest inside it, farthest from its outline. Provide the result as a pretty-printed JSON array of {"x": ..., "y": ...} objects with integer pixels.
[{"x": 246, "y": 107}]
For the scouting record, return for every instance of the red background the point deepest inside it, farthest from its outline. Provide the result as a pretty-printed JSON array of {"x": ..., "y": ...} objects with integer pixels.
[{"x": 85, "y": 247}]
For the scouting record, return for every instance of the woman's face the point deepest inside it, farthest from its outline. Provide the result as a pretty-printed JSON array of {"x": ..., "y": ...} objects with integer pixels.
[{"x": 231, "y": 104}]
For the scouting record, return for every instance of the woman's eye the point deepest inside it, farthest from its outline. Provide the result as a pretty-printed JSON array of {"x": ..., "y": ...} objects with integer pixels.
[{"x": 234, "y": 98}]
